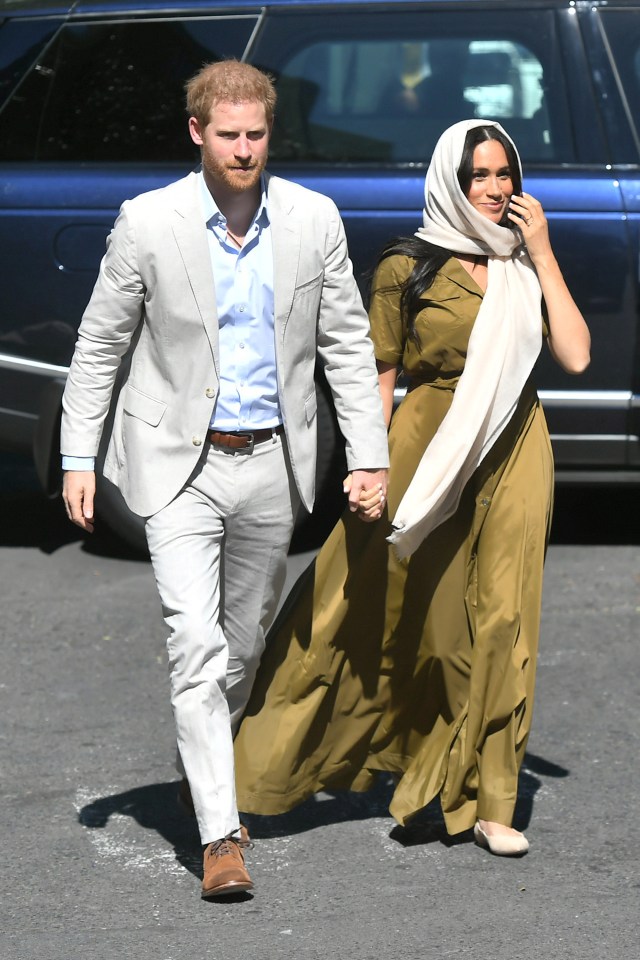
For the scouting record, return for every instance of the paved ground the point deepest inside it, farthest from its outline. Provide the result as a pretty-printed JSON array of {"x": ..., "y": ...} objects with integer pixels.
[{"x": 99, "y": 865}]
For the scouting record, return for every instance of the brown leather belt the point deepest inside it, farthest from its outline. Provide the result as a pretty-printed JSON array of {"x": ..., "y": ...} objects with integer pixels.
[{"x": 243, "y": 441}]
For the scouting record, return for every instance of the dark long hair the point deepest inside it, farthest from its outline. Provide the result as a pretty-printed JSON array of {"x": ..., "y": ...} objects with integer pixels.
[{"x": 427, "y": 257}]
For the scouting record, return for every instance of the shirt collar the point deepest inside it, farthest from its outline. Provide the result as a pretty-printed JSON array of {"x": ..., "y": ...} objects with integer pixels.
[
  {"x": 454, "y": 271},
  {"x": 213, "y": 215}
]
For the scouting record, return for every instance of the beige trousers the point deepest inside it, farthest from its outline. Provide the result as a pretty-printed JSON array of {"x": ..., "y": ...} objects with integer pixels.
[{"x": 219, "y": 555}]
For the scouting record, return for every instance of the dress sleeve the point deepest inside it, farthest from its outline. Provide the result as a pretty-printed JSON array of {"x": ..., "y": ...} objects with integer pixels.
[{"x": 388, "y": 332}]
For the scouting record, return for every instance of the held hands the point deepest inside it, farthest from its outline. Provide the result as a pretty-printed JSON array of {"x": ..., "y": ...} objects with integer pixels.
[
  {"x": 367, "y": 491},
  {"x": 78, "y": 492}
]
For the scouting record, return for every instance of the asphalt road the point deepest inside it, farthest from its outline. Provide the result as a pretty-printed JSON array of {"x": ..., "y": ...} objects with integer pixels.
[{"x": 98, "y": 864}]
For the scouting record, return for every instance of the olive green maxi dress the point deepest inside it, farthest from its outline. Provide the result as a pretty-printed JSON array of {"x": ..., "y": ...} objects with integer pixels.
[{"x": 424, "y": 667}]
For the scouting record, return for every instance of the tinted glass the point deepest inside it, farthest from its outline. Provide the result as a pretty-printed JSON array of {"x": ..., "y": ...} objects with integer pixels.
[
  {"x": 381, "y": 88},
  {"x": 622, "y": 30},
  {"x": 113, "y": 92},
  {"x": 21, "y": 42}
]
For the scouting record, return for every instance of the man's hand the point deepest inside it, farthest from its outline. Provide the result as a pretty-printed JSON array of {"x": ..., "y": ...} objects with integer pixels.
[
  {"x": 367, "y": 491},
  {"x": 78, "y": 492}
]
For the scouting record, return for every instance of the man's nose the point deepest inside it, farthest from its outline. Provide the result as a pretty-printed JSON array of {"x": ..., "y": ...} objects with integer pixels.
[{"x": 243, "y": 147}]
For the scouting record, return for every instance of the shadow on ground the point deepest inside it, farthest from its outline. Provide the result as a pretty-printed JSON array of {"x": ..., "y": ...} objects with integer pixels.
[
  {"x": 154, "y": 807},
  {"x": 583, "y": 515}
]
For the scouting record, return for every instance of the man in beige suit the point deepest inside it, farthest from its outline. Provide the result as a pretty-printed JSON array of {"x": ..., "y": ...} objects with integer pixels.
[{"x": 222, "y": 288}]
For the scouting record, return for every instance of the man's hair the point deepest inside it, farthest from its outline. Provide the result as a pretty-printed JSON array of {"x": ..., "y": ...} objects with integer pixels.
[{"x": 228, "y": 81}]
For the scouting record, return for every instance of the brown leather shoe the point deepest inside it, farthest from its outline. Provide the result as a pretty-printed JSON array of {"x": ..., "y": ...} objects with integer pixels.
[
  {"x": 185, "y": 802},
  {"x": 224, "y": 869}
]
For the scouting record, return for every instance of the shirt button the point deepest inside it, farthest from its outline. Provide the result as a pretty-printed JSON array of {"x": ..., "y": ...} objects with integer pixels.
[
  {"x": 209, "y": 392},
  {"x": 241, "y": 309},
  {"x": 241, "y": 345},
  {"x": 196, "y": 441}
]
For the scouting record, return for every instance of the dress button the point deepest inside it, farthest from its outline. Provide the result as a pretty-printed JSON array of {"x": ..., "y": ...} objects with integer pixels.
[
  {"x": 196, "y": 441},
  {"x": 209, "y": 392}
]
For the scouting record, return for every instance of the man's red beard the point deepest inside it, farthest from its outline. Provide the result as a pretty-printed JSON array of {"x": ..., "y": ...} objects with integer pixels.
[{"x": 233, "y": 175}]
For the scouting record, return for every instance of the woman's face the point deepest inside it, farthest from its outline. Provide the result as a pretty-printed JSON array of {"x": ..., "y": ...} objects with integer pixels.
[{"x": 491, "y": 188}]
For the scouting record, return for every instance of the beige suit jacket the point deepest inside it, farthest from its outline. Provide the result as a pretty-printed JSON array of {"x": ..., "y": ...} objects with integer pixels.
[{"x": 155, "y": 300}]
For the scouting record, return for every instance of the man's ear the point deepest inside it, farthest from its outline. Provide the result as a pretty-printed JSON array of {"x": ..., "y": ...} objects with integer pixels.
[{"x": 195, "y": 131}]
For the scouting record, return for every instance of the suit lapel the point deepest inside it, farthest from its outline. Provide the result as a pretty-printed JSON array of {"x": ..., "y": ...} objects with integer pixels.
[
  {"x": 286, "y": 231},
  {"x": 190, "y": 232}
]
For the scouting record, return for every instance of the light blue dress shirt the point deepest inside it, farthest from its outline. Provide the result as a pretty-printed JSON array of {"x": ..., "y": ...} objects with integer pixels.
[{"x": 248, "y": 387}]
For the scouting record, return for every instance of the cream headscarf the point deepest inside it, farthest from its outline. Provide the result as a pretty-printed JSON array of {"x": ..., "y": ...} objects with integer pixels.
[{"x": 503, "y": 347}]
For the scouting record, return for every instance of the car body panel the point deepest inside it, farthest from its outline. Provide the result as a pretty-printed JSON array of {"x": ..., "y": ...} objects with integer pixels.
[{"x": 55, "y": 215}]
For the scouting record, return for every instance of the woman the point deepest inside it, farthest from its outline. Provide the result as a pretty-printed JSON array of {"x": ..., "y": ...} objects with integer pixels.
[{"x": 419, "y": 659}]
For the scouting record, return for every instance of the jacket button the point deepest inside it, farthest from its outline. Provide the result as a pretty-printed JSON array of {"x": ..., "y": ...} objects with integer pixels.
[
  {"x": 209, "y": 392},
  {"x": 196, "y": 441}
]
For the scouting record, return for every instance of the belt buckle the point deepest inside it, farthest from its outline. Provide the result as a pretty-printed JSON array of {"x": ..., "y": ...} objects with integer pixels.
[{"x": 250, "y": 445}]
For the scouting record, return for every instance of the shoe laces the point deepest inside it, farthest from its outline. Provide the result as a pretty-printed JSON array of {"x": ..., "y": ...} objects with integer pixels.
[{"x": 218, "y": 848}]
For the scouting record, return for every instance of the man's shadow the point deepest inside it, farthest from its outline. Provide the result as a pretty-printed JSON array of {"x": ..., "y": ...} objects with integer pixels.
[{"x": 155, "y": 807}]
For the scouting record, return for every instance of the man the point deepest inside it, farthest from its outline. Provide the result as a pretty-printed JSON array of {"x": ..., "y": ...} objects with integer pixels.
[{"x": 222, "y": 286}]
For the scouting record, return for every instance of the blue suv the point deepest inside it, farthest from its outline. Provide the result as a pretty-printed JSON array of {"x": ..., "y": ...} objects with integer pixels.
[{"x": 91, "y": 112}]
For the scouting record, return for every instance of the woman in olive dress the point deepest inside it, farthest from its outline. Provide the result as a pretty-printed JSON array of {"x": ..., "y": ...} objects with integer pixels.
[{"x": 411, "y": 648}]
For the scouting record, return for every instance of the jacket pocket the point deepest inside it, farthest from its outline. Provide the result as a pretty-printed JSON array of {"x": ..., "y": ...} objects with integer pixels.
[{"x": 143, "y": 407}]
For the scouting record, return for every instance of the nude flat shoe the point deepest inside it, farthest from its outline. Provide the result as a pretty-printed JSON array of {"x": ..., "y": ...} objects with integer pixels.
[{"x": 505, "y": 846}]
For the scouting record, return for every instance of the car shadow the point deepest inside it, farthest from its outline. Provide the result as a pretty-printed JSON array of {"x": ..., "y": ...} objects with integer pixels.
[
  {"x": 154, "y": 807},
  {"x": 30, "y": 519},
  {"x": 596, "y": 516},
  {"x": 582, "y": 516}
]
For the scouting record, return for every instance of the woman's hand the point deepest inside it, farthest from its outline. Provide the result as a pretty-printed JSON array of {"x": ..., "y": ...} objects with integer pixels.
[
  {"x": 569, "y": 339},
  {"x": 527, "y": 213},
  {"x": 371, "y": 502}
]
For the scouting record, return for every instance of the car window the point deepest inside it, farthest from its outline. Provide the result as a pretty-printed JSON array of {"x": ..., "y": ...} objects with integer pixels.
[
  {"x": 21, "y": 41},
  {"x": 622, "y": 31},
  {"x": 381, "y": 88},
  {"x": 113, "y": 92}
]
